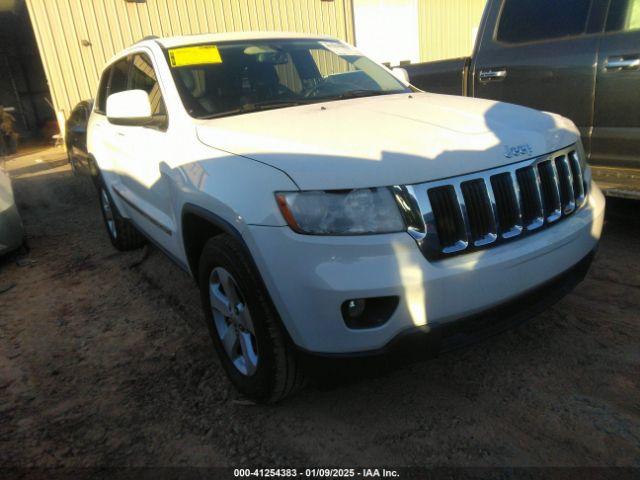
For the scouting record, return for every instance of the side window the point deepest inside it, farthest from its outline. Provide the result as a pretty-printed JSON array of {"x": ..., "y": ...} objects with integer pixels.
[
  {"x": 101, "y": 97},
  {"x": 143, "y": 77},
  {"x": 119, "y": 76},
  {"x": 533, "y": 20},
  {"x": 624, "y": 15}
]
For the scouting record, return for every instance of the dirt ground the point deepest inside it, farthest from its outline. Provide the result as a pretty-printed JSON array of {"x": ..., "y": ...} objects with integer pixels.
[{"x": 104, "y": 360}]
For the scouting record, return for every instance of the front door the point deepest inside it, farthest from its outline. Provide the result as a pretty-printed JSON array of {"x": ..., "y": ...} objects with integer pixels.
[
  {"x": 542, "y": 55},
  {"x": 143, "y": 187},
  {"x": 616, "y": 136}
]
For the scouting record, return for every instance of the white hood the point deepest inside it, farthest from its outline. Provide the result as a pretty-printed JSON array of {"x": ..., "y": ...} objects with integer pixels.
[{"x": 387, "y": 140}]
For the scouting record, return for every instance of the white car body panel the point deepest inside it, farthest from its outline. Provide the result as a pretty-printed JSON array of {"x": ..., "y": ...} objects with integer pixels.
[
  {"x": 389, "y": 140},
  {"x": 330, "y": 270},
  {"x": 231, "y": 167}
]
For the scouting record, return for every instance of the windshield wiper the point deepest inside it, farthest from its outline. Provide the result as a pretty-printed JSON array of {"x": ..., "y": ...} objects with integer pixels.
[
  {"x": 273, "y": 104},
  {"x": 257, "y": 107},
  {"x": 357, "y": 94},
  {"x": 362, "y": 93},
  {"x": 284, "y": 103}
]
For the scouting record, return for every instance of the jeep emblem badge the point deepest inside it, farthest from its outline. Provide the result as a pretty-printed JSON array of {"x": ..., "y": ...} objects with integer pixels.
[{"x": 518, "y": 150}]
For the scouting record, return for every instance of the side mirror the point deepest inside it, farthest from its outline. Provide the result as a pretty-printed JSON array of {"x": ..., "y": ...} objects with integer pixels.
[
  {"x": 401, "y": 74},
  {"x": 131, "y": 107}
]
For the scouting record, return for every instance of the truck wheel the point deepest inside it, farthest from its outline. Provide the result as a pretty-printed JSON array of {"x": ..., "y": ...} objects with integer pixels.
[
  {"x": 243, "y": 324},
  {"x": 122, "y": 233}
]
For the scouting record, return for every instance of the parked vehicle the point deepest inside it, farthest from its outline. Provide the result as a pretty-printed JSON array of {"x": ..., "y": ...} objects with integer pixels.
[
  {"x": 325, "y": 207},
  {"x": 76, "y": 138},
  {"x": 11, "y": 229},
  {"x": 577, "y": 58}
]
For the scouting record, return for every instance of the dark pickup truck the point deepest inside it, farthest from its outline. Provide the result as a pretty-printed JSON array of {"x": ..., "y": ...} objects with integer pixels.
[{"x": 578, "y": 58}]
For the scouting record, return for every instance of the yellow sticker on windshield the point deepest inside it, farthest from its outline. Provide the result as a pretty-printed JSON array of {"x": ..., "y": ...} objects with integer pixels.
[{"x": 199, "y": 55}]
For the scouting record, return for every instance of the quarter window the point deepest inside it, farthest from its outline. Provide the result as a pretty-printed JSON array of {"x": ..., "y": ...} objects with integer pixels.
[
  {"x": 534, "y": 20},
  {"x": 624, "y": 15}
]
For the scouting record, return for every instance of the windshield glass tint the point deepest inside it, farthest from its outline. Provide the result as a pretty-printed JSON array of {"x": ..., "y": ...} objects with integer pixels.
[{"x": 240, "y": 77}]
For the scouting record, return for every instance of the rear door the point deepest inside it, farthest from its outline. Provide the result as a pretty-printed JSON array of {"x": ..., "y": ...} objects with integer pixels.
[
  {"x": 616, "y": 136},
  {"x": 541, "y": 54},
  {"x": 108, "y": 144}
]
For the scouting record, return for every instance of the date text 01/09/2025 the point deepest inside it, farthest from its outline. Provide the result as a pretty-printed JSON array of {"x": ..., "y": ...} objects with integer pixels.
[{"x": 316, "y": 473}]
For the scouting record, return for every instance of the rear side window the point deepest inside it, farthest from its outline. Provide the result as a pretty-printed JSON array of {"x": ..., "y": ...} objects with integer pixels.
[
  {"x": 624, "y": 16},
  {"x": 143, "y": 77},
  {"x": 534, "y": 20}
]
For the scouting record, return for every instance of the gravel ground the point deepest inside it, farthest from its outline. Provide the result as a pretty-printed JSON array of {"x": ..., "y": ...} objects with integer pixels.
[{"x": 105, "y": 361}]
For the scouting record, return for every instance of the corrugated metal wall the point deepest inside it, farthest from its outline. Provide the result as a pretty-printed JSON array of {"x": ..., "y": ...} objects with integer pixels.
[
  {"x": 447, "y": 27},
  {"x": 62, "y": 26}
]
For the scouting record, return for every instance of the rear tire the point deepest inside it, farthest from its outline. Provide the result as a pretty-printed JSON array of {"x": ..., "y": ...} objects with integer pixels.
[
  {"x": 265, "y": 367},
  {"x": 123, "y": 235}
]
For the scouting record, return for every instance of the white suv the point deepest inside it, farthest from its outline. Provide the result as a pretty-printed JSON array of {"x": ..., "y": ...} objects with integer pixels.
[{"x": 326, "y": 206}]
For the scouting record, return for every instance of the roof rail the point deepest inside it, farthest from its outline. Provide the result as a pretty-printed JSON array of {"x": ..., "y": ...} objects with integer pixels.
[{"x": 148, "y": 37}]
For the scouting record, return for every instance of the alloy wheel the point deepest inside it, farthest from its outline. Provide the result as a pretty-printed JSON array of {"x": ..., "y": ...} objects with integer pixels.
[{"x": 233, "y": 321}]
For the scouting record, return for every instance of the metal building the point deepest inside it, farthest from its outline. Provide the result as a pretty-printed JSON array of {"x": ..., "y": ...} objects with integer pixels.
[
  {"x": 448, "y": 28},
  {"x": 398, "y": 31},
  {"x": 76, "y": 37}
]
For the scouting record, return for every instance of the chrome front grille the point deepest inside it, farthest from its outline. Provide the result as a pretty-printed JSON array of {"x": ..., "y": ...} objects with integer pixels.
[{"x": 471, "y": 212}]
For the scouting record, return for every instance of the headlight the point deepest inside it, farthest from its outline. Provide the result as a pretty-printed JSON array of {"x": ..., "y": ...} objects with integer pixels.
[{"x": 352, "y": 212}]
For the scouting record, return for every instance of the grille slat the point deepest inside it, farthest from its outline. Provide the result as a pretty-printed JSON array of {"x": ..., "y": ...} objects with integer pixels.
[
  {"x": 578, "y": 180},
  {"x": 550, "y": 190},
  {"x": 448, "y": 217},
  {"x": 565, "y": 178},
  {"x": 482, "y": 224},
  {"x": 532, "y": 208},
  {"x": 478, "y": 210},
  {"x": 509, "y": 216}
]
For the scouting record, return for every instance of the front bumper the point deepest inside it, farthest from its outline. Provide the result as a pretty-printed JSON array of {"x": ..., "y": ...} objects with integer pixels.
[{"x": 310, "y": 277}]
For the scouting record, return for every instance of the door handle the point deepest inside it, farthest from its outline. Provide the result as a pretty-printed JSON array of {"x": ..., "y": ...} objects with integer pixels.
[
  {"x": 621, "y": 63},
  {"x": 493, "y": 75}
]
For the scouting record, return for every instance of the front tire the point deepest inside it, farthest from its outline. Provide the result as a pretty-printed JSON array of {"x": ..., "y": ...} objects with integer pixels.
[
  {"x": 243, "y": 324},
  {"x": 122, "y": 233}
]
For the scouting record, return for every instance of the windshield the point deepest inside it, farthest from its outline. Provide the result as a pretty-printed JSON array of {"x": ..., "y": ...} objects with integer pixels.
[{"x": 239, "y": 77}]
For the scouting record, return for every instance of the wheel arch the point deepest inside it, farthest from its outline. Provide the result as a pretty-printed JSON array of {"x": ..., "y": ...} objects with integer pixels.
[{"x": 198, "y": 225}]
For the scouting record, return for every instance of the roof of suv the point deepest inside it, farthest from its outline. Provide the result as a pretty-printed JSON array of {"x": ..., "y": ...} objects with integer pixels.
[{"x": 171, "y": 42}]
